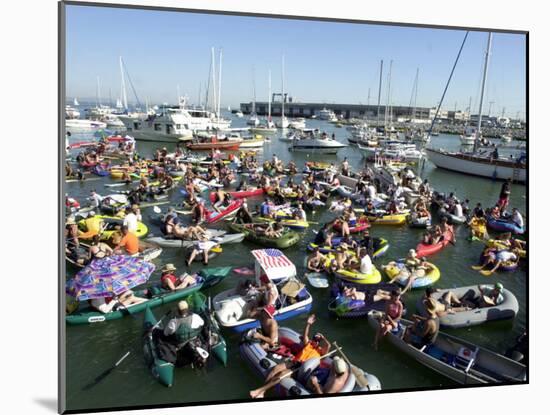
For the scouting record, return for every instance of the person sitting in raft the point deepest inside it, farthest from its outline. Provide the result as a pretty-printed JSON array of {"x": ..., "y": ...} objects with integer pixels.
[
  {"x": 266, "y": 209},
  {"x": 478, "y": 226},
  {"x": 129, "y": 242},
  {"x": 170, "y": 282},
  {"x": 495, "y": 212},
  {"x": 353, "y": 294},
  {"x": 183, "y": 321},
  {"x": 201, "y": 247},
  {"x": 424, "y": 330},
  {"x": 274, "y": 230},
  {"x": 221, "y": 199},
  {"x": 365, "y": 264},
  {"x": 487, "y": 297},
  {"x": 98, "y": 249},
  {"x": 243, "y": 214},
  {"x": 329, "y": 380},
  {"x": 94, "y": 226},
  {"x": 492, "y": 256},
  {"x": 316, "y": 261},
  {"x": 133, "y": 216},
  {"x": 447, "y": 227},
  {"x": 391, "y": 317},
  {"x": 124, "y": 300},
  {"x": 299, "y": 213},
  {"x": 517, "y": 219},
  {"x": 268, "y": 335},
  {"x": 421, "y": 209},
  {"x": 309, "y": 348},
  {"x": 412, "y": 262},
  {"x": 448, "y": 303}
]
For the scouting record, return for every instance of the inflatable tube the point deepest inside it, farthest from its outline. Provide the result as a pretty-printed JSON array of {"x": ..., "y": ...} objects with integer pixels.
[
  {"x": 502, "y": 225},
  {"x": 374, "y": 277},
  {"x": 423, "y": 249},
  {"x": 397, "y": 268}
]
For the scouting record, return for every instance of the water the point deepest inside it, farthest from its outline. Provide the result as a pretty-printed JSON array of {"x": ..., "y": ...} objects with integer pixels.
[{"x": 92, "y": 349}]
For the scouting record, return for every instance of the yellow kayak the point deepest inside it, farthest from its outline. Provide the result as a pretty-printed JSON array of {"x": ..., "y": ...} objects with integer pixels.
[
  {"x": 398, "y": 219},
  {"x": 374, "y": 277}
]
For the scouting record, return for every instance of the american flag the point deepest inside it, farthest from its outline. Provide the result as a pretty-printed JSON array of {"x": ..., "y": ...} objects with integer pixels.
[{"x": 271, "y": 258}]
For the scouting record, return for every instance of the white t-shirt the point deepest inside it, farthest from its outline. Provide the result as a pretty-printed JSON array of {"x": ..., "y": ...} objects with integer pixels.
[
  {"x": 366, "y": 265},
  {"x": 372, "y": 191},
  {"x": 131, "y": 221},
  {"x": 518, "y": 219},
  {"x": 96, "y": 200},
  {"x": 100, "y": 305},
  {"x": 458, "y": 210},
  {"x": 191, "y": 320}
]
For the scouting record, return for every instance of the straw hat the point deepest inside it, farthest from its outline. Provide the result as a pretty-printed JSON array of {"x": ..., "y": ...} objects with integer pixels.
[
  {"x": 168, "y": 267},
  {"x": 70, "y": 221},
  {"x": 339, "y": 365},
  {"x": 183, "y": 306}
]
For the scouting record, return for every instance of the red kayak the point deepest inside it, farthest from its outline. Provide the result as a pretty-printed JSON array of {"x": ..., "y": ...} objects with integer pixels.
[
  {"x": 423, "y": 249},
  {"x": 360, "y": 225},
  {"x": 241, "y": 194},
  {"x": 82, "y": 144},
  {"x": 213, "y": 216}
]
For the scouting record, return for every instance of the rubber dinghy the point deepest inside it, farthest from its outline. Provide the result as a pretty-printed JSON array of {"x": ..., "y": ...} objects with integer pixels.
[
  {"x": 205, "y": 337},
  {"x": 262, "y": 363},
  {"x": 380, "y": 246},
  {"x": 503, "y": 225},
  {"x": 456, "y": 359},
  {"x": 507, "y": 307},
  {"x": 288, "y": 238},
  {"x": 345, "y": 307}
]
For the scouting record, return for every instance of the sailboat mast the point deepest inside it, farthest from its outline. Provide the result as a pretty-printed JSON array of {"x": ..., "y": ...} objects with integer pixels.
[
  {"x": 220, "y": 85},
  {"x": 269, "y": 96},
  {"x": 98, "y": 94},
  {"x": 485, "y": 71},
  {"x": 379, "y": 93},
  {"x": 123, "y": 85},
  {"x": 253, "y": 92},
  {"x": 283, "y": 92},
  {"x": 415, "y": 94},
  {"x": 214, "y": 104}
]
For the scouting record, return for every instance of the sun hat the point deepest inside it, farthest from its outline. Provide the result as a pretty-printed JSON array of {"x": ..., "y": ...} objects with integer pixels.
[
  {"x": 339, "y": 365},
  {"x": 168, "y": 267},
  {"x": 70, "y": 221}
]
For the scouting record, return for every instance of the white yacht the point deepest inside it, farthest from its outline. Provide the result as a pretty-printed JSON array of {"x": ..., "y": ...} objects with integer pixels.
[
  {"x": 327, "y": 115},
  {"x": 298, "y": 123},
  {"x": 74, "y": 125},
  {"x": 311, "y": 141},
  {"x": 239, "y": 114},
  {"x": 253, "y": 120},
  {"x": 71, "y": 112}
]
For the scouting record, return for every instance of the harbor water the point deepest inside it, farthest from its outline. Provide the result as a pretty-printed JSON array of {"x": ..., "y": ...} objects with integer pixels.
[{"x": 92, "y": 349}]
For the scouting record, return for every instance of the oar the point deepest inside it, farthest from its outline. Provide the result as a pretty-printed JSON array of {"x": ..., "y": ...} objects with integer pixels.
[
  {"x": 358, "y": 373},
  {"x": 106, "y": 373},
  {"x": 486, "y": 272},
  {"x": 477, "y": 267}
]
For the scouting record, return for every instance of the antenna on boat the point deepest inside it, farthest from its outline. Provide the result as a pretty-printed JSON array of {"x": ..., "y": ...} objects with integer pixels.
[{"x": 485, "y": 71}]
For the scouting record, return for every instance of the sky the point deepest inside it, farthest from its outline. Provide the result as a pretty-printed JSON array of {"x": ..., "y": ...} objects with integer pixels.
[{"x": 325, "y": 62}]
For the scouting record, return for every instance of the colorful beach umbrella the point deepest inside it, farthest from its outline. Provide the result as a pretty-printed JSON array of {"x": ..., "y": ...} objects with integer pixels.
[{"x": 110, "y": 276}]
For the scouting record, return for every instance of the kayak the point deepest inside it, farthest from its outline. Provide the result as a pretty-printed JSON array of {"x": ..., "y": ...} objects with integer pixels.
[
  {"x": 208, "y": 337},
  {"x": 213, "y": 276},
  {"x": 168, "y": 242},
  {"x": 423, "y": 249},
  {"x": 289, "y": 223},
  {"x": 471, "y": 364},
  {"x": 262, "y": 362},
  {"x": 112, "y": 226},
  {"x": 503, "y": 225},
  {"x": 380, "y": 246},
  {"x": 241, "y": 194},
  {"x": 288, "y": 238},
  {"x": 374, "y": 277},
  {"x": 213, "y": 216},
  {"x": 397, "y": 219},
  {"x": 159, "y": 296},
  {"x": 398, "y": 268},
  {"x": 361, "y": 224},
  {"x": 507, "y": 307},
  {"x": 317, "y": 280},
  {"x": 344, "y": 307}
]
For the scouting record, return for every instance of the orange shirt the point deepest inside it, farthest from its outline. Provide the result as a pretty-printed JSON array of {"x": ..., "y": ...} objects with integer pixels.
[
  {"x": 130, "y": 243},
  {"x": 308, "y": 352}
]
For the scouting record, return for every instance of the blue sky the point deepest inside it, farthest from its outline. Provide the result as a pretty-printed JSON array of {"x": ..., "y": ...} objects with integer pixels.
[{"x": 325, "y": 61}]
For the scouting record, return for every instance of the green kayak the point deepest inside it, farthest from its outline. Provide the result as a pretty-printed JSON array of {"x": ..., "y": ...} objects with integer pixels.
[
  {"x": 213, "y": 276},
  {"x": 288, "y": 239},
  {"x": 209, "y": 337},
  {"x": 158, "y": 296}
]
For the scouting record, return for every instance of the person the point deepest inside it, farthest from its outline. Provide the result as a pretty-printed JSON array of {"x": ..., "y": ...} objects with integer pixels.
[
  {"x": 132, "y": 217},
  {"x": 345, "y": 167},
  {"x": 95, "y": 199},
  {"x": 94, "y": 226},
  {"x": 269, "y": 334},
  {"x": 491, "y": 256},
  {"x": 517, "y": 218},
  {"x": 170, "y": 282},
  {"x": 448, "y": 303},
  {"x": 268, "y": 300},
  {"x": 316, "y": 261},
  {"x": 424, "y": 330},
  {"x": 504, "y": 196},
  {"x": 391, "y": 317},
  {"x": 353, "y": 294},
  {"x": 109, "y": 304},
  {"x": 266, "y": 208},
  {"x": 365, "y": 266},
  {"x": 243, "y": 214},
  {"x": 299, "y": 213},
  {"x": 129, "y": 242},
  {"x": 98, "y": 249},
  {"x": 478, "y": 211},
  {"x": 203, "y": 247},
  {"x": 183, "y": 321},
  {"x": 412, "y": 262},
  {"x": 486, "y": 297},
  {"x": 478, "y": 227},
  {"x": 308, "y": 348},
  {"x": 198, "y": 212},
  {"x": 329, "y": 380}
]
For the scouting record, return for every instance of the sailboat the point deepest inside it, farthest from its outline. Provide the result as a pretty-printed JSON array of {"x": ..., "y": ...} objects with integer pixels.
[
  {"x": 481, "y": 163},
  {"x": 283, "y": 123},
  {"x": 268, "y": 126},
  {"x": 253, "y": 120}
]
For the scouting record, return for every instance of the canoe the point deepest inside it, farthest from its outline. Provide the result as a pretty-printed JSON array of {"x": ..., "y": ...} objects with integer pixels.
[
  {"x": 209, "y": 337},
  {"x": 262, "y": 362},
  {"x": 503, "y": 225},
  {"x": 343, "y": 307},
  {"x": 423, "y": 249},
  {"x": 231, "y": 145},
  {"x": 420, "y": 282},
  {"x": 230, "y": 309},
  {"x": 380, "y": 246},
  {"x": 87, "y": 314},
  {"x": 459, "y": 360},
  {"x": 374, "y": 277},
  {"x": 213, "y": 216},
  {"x": 241, "y": 194},
  {"x": 398, "y": 219},
  {"x": 507, "y": 308},
  {"x": 288, "y": 238}
]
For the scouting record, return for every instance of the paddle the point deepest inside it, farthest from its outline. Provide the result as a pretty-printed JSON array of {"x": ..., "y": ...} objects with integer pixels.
[
  {"x": 486, "y": 272},
  {"x": 477, "y": 267},
  {"x": 106, "y": 373},
  {"x": 358, "y": 373}
]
